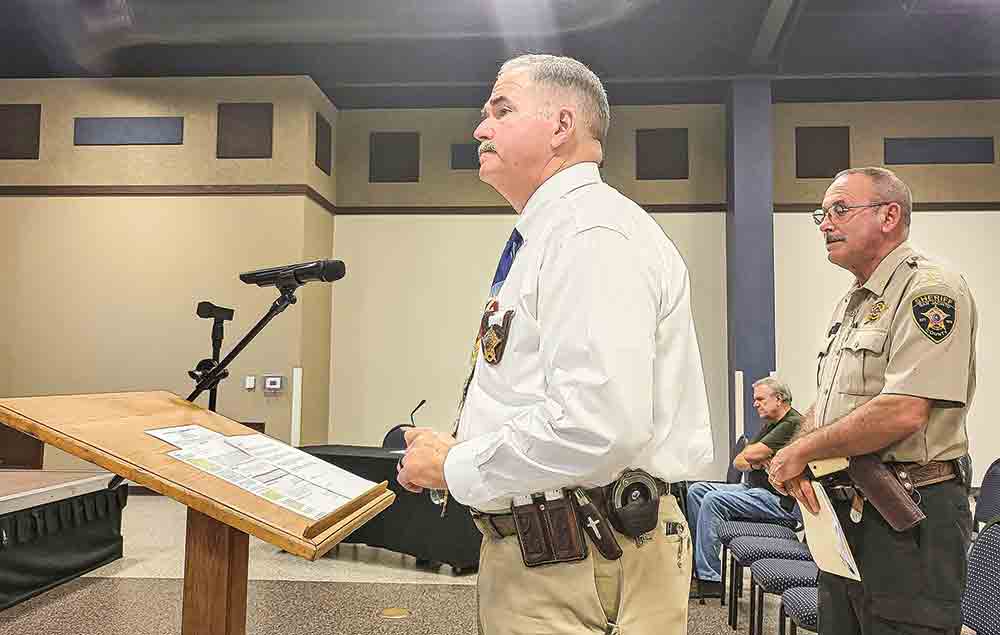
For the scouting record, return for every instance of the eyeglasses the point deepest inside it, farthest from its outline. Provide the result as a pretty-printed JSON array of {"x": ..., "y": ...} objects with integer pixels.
[{"x": 839, "y": 211}]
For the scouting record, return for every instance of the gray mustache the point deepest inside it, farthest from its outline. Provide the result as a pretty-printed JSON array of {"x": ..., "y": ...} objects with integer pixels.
[{"x": 487, "y": 146}]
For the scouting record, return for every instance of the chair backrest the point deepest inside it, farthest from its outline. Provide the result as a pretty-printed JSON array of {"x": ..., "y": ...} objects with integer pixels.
[
  {"x": 981, "y": 602},
  {"x": 733, "y": 475},
  {"x": 988, "y": 502},
  {"x": 394, "y": 438}
]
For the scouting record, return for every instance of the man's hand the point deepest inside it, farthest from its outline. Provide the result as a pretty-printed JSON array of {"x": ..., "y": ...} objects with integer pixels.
[
  {"x": 423, "y": 464},
  {"x": 785, "y": 465},
  {"x": 741, "y": 464},
  {"x": 787, "y": 474},
  {"x": 800, "y": 488}
]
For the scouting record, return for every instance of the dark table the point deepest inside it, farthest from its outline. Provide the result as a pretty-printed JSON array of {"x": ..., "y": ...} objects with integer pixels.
[{"x": 412, "y": 524}]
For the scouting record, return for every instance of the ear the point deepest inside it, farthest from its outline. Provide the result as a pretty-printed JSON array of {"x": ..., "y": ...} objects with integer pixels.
[
  {"x": 565, "y": 126},
  {"x": 893, "y": 216}
]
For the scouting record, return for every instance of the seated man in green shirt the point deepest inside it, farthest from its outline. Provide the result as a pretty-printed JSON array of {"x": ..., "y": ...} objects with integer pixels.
[{"x": 710, "y": 504}]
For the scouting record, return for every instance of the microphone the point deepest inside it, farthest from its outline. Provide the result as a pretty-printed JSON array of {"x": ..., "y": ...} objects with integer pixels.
[
  {"x": 322, "y": 270},
  {"x": 422, "y": 402}
]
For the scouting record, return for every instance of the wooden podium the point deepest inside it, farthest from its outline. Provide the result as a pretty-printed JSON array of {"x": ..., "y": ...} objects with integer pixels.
[{"x": 109, "y": 430}]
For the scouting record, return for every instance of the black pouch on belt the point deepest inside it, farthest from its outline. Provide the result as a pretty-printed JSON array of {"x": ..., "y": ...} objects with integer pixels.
[
  {"x": 634, "y": 506},
  {"x": 547, "y": 529}
]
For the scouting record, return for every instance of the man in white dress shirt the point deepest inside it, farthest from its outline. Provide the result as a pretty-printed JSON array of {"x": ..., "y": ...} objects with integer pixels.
[{"x": 587, "y": 368}]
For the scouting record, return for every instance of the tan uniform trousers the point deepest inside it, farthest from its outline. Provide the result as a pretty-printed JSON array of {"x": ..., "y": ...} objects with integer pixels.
[{"x": 645, "y": 592}]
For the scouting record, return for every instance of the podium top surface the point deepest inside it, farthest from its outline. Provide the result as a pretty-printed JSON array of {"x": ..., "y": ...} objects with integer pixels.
[{"x": 109, "y": 430}]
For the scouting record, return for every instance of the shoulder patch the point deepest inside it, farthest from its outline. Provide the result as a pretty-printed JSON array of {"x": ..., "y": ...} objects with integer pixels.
[{"x": 935, "y": 314}]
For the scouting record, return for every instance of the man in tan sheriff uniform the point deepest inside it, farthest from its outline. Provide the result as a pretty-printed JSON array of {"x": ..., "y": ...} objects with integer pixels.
[{"x": 896, "y": 375}]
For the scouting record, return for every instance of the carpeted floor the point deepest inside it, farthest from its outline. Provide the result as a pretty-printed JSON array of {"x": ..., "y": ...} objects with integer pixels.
[{"x": 152, "y": 606}]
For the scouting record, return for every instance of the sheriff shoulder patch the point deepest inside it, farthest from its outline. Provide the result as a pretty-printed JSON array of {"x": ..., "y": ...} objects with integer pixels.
[{"x": 935, "y": 315}]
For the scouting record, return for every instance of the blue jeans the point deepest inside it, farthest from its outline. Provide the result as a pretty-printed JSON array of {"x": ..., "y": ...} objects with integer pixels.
[{"x": 711, "y": 504}]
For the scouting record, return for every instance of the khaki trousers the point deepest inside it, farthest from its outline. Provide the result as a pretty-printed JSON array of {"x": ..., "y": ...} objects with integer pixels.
[{"x": 645, "y": 592}]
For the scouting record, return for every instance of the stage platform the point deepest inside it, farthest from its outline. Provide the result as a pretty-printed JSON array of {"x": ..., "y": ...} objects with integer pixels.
[{"x": 54, "y": 527}]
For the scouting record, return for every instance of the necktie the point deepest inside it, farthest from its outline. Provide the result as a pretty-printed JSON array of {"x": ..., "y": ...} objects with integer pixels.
[
  {"x": 503, "y": 268},
  {"x": 506, "y": 260}
]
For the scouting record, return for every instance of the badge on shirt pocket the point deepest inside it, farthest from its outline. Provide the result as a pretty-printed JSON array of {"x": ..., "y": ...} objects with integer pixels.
[
  {"x": 875, "y": 312},
  {"x": 495, "y": 331}
]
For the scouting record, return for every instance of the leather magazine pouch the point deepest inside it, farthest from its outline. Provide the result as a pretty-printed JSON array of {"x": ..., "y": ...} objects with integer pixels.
[
  {"x": 548, "y": 532},
  {"x": 882, "y": 488}
]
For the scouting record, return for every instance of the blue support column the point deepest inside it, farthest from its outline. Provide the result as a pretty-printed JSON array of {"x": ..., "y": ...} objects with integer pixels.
[{"x": 749, "y": 244}]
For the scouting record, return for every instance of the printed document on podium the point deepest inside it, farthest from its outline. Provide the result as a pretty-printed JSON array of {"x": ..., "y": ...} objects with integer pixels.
[{"x": 284, "y": 475}]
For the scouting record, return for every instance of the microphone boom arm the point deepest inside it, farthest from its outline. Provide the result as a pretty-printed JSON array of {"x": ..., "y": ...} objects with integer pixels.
[{"x": 210, "y": 379}]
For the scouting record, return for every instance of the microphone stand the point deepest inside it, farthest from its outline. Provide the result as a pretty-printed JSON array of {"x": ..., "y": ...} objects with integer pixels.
[
  {"x": 220, "y": 315},
  {"x": 210, "y": 373},
  {"x": 217, "y": 335}
]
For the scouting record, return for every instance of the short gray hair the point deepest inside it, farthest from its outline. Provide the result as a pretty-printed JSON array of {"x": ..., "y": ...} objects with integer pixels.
[
  {"x": 890, "y": 188},
  {"x": 779, "y": 388},
  {"x": 566, "y": 73}
]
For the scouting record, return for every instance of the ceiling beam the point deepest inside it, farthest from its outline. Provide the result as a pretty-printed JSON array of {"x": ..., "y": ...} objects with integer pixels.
[{"x": 779, "y": 14}]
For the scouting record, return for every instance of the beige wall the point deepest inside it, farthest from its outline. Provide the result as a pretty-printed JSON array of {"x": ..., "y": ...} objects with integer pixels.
[
  {"x": 439, "y": 185},
  {"x": 194, "y": 162},
  {"x": 706, "y": 126},
  {"x": 103, "y": 293},
  {"x": 870, "y": 123},
  {"x": 315, "y": 309},
  {"x": 7, "y": 244},
  {"x": 316, "y": 101},
  {"x": 103, "y": 290},
  {"x": 406, "y": 314},
  {"x": 807, "y": 286}
]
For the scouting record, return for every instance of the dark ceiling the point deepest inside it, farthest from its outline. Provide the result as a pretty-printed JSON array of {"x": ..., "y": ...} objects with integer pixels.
[{"x": 382, "y": 53}]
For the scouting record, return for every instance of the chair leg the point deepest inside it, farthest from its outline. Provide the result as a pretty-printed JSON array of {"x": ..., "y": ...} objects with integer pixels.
[
  {"x": 725, "y": 554},
  {"x": 732, "y": 593},
  {"x": 737, "y": 593},
  {"x": 760, "y": 612},
  {"x": 729, "y": 592},
  {"x": 781, "y": 619},
  {"x": 794, "y": 629},
  {"x": 753, "y": 605}
]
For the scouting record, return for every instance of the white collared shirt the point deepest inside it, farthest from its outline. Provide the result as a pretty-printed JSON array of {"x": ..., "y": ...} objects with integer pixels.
[{"x": 601, "y": 371}]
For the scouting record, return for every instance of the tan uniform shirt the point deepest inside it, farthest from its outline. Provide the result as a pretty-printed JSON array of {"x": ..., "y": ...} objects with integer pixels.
[{"x": 909, "y": 330}]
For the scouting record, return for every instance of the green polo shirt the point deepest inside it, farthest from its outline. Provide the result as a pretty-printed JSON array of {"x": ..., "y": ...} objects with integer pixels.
[{"x": 775, "y": 435}]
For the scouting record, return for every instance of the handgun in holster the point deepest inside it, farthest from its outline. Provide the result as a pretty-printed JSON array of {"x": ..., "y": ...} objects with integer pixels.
[{"x": 873, "y": 480}]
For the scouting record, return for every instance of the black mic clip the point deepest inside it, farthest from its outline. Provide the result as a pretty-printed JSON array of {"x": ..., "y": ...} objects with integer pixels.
[
  {"x": 219, "y": 315},
  {"x": 287, "y": 284},
  {"x": 208, "y": 310}
]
